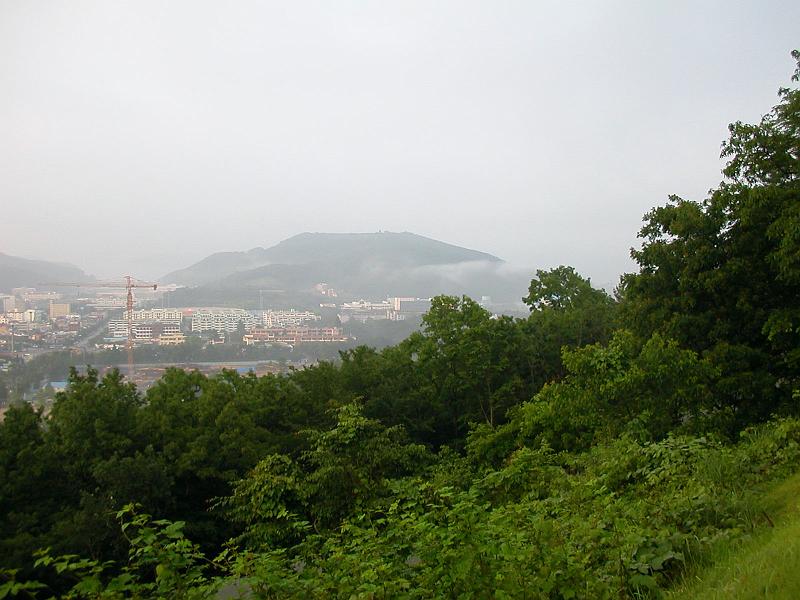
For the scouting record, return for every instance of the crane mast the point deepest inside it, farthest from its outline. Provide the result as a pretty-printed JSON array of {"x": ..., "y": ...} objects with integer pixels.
[{"x": 128, "y": 284}]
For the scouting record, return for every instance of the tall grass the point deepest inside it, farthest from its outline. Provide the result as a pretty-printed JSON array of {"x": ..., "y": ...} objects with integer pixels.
[{"x": 764, "y": 564}]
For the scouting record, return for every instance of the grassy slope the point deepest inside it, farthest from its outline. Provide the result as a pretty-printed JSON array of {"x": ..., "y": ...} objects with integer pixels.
[{"x": 766, "y": 565}]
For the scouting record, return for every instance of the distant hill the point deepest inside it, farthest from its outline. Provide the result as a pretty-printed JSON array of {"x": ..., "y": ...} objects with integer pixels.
[
  {"x": 25, "y": 272},
  {"x": 355, "y": 264},
  {"x": 388, "y": 249}
]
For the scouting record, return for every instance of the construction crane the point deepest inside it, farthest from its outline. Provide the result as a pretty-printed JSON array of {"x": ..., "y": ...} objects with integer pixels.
[{"x": 128, "y": 284}]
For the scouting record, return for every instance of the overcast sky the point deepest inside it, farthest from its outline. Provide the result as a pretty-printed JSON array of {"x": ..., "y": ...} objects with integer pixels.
[{"x": 141, "y": 136}]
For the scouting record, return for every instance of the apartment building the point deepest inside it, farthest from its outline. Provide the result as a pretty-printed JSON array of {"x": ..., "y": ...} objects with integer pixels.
[
  {"x": 410, "y": 306},
  {"x": 222, "y": 319},
  {"x": 287, "y": 318},
  {"x": 143, "y": 332},
  {"x": 364, "y": 311},
  {"x": 59, "y": 309},
  {"x": 31, "y": 295},
  {"x": 108, "y": 301},
  {"x": 172, "y": 316},
  {"x": 7, "y": 303}
]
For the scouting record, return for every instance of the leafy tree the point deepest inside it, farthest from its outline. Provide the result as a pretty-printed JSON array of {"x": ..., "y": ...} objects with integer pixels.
[
  {"x": 92, "y": 420},
  {"x": 268, "y": 504},
  {"x": 465, "y": 366},
  {"x": 92, "y": 423},
  {"x": 722, "y": 276},
  {"x": 210, "y": 431},
  {"x": 471, "y": 365},
  {"x": 390, "y": 386},
  {"x": 651, "y": 389},
  {"x": 562, "y": 289},
  {"x": 767, "y": 154},
  {"x": 51, "y": 481},
  {"x": 27, "y": 501},
  {"x": 348, "y": 464},
  {"x": 343, "y": 472},
  {"x": 565, "y": 311}
]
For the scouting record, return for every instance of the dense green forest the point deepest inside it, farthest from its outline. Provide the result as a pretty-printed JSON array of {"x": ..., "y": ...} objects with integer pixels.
[{"x": 599, "y": 448}]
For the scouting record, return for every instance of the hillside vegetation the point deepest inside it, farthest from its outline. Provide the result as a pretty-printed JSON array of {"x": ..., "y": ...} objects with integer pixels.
[
  {"x": 765, "y": 565},
  {"x": 602, "y": 447}
]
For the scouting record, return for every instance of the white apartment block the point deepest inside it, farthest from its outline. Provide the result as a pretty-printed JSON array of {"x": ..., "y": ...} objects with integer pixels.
[
  {"x": 157, "y": 315},
  {"x": 393, "y": 309},
  {"x": 287, "y": 318},
  {"x": 141, "y": 332},
  {"x": 21, "y": 291},
  {"x": 417, "y": 306},
  {"x": 364, "y": 311},
  {"x": 34, "y": 296},
  {"x": 108, "y": 301},
  {"x": 222, "y": 319},
  {"x": 365, "y": 306}
]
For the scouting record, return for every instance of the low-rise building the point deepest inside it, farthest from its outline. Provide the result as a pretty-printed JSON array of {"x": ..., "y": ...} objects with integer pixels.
[
  {"x": 325, "y": 290},
  {"x": 293, "y": 335},
  {"x": 15, "y": 316},
  {"x": 67, "y": 323},
  {"x": 171, "y": 339}
]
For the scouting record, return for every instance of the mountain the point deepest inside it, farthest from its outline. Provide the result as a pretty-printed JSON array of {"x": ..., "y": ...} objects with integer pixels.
[
  {"x": 354, "y": 264},
  {"x": 386, "y": 248},
  {"x": 25, "y": 272}
]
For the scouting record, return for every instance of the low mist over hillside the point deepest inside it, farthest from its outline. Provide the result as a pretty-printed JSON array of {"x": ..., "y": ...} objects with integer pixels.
[
  {"x": 358, "y": 264},
  {"x": 24, "y": 272}
]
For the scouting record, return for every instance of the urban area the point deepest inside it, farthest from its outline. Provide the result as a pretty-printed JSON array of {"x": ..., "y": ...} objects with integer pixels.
[{"x": 95, "y": 322}]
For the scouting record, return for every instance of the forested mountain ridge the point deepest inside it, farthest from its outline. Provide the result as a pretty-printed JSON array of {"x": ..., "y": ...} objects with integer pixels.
[
  {"x": 597, "y": 448},
  {"x": 358, "y": 265},
  {"x": 25, "y": 272},
  {"x": 394, "y": 250}
]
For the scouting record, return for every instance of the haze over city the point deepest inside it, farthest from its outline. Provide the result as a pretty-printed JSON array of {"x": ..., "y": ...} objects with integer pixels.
[{"x": 141, "y": 137}]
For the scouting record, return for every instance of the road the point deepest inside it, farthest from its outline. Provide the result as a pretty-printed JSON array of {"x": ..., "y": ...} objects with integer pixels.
[{"x": 83, "y": 343}]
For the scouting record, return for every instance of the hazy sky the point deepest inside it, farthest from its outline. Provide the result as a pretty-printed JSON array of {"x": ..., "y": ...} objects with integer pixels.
[{"x": 141, "y": 136}]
